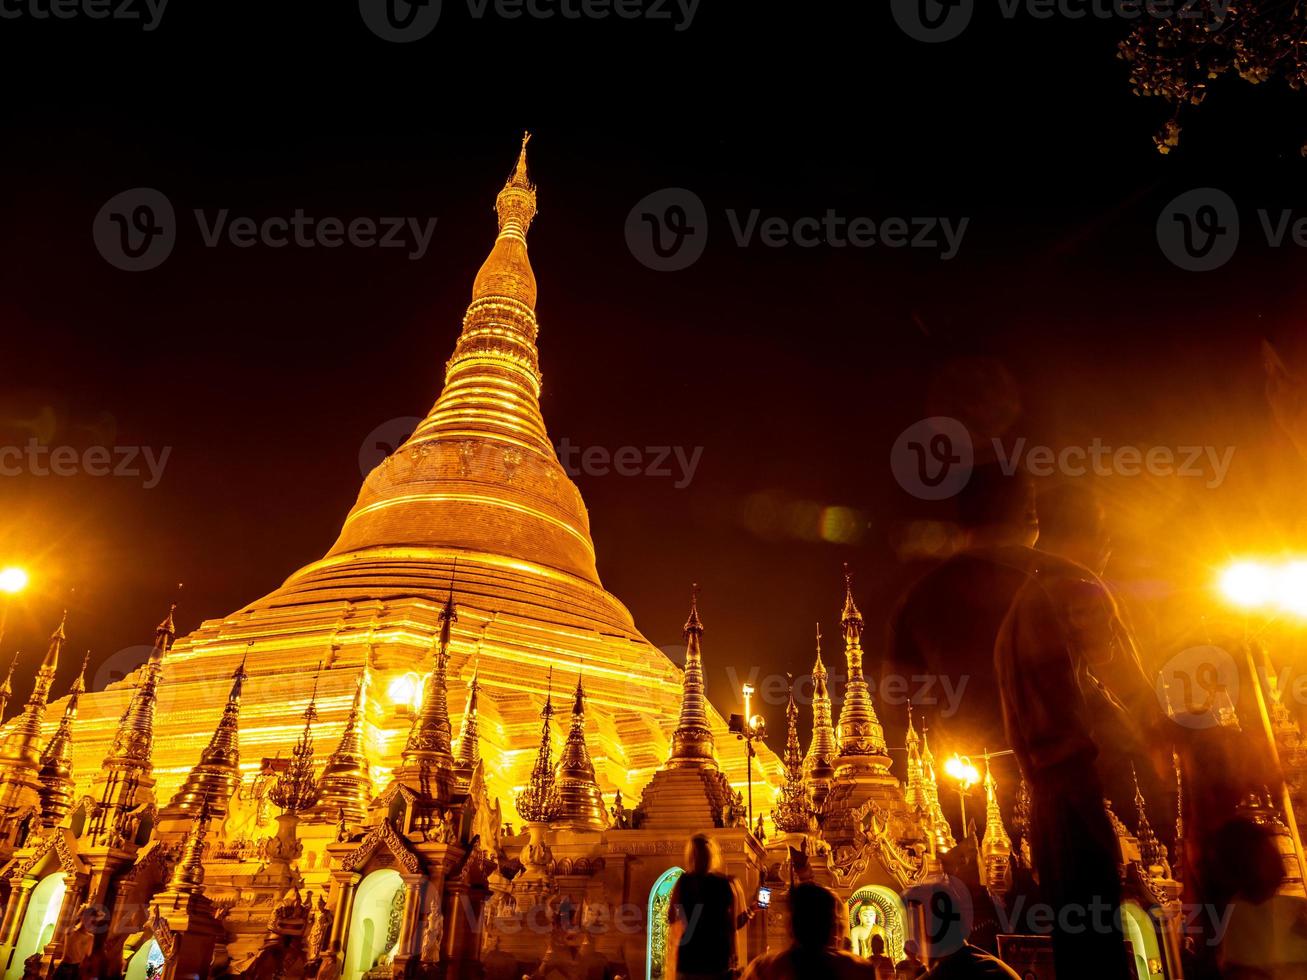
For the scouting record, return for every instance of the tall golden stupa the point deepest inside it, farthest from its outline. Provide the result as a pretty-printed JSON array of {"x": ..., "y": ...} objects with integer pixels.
[{"x": 475, "y": 499}]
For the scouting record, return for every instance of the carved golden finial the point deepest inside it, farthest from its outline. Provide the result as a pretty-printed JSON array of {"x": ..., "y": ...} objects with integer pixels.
[
  {"x": 850, "y": 617},
  {"x": 518, "y": 178},
  {"x": 538, "y": 802},
  {"x": 996, "y": 846},
  {"x": 791, "y": 813},
  {"x": 859, "y": 730},
  {"x": 576, "y": 790},
  {"x": 692, "y": 741},
  {"x": 7, "y": 688},
  {"x": 345, "y": 786},
  {"x": 469, "y": 749},
  {"x": 58, "y": 789},
  {"x": 296, "y": 790}
]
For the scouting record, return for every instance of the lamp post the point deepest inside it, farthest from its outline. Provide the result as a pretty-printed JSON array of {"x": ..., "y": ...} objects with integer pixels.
[
  {"x": 749, "y": 728},
  {"x": 965, "y": 774},
  {"x": 12, "y": 581}
]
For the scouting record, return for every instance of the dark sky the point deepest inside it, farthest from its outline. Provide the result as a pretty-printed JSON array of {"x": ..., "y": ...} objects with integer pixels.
[{"x": 264, "y": 370}]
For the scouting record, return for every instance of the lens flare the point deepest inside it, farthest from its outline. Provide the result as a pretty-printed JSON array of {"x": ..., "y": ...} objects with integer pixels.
[{"x": 13, "y": 580}]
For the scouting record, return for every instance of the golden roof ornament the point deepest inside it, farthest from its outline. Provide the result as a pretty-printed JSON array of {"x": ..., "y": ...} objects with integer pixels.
[
  {"x": 938, "y": 823},
  {"x": 469, "y": 747},
  {"x": 58, "y": 788},
  {"x": 859, "y": 732},
  {"x": 216, "y": 777},
  {"x": 428, "y": 752},
  {"x": 295, "y": 789},
  {"x": 915, "y": 792},
  {"x": 538, "y": 802},
  {"x": 345, "y": 785},
  {"x": 127, "y": 775},
  {"x": 188, "y": 874},
  {"x": 996, "y": 845},
  {"x": 692, "y": 741},
  {"x": 7, "y": 688},
  {"x": 20, "y": 753},
  {"x": 818, "y": 764},
  {"x": 576, "y": 791},
  {"x": 1151, "y": 850},
  {"x": 791, "y": 813}
]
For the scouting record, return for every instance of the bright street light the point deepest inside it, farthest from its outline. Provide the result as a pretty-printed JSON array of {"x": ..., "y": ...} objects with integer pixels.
[
  {"x": 1266, "y": 585},
  {"x": 12, "y": 580}
]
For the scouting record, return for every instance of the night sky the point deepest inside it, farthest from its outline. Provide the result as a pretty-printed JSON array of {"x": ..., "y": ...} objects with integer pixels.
[{"x": 263, "y": 370}]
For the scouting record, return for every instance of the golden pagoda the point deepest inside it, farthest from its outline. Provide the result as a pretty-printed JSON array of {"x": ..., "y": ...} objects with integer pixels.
[{"x": 478, "y": 483}]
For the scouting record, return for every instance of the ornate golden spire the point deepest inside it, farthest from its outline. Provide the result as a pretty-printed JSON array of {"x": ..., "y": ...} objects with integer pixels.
[
  {"x": 1151, "y": 850},
  {"x": 538, "y": 802},
  {"x": 818, "y": 764},
  {"x": 859, "y": 732},
  {"x": 469, "y": 747},
  {"x": 188, "y": 874},
  {"x": 58, "y": 788},
  {"x": 428, "y": 752},
  {"x": 20, "y": 755},
  {"x": 125, "y": 779},
  {"x": 938, "y": 823},
  {"x": 996, "y": 845},
  {"x": 579, "y": 802},
  {"x": 217, "y": 776},
  {"x": 7, "y": 688},
  {"x": 915, "y": 793},
  {"x": 295, "y": 789},
  {"x": 346, "y": 781},
  {"x": 692, "y": 741},
  {"x": 791, "y": 813}
]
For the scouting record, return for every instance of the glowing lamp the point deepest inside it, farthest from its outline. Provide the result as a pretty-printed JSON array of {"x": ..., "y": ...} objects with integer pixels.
[
  {"x": 1291, "y": 591},
  {"x": 1248, "y": 584},
  {"x": 961, "y": 770},
  {"x": 13, "y": 580}
]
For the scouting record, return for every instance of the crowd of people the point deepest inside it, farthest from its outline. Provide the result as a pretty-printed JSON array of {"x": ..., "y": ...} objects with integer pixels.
[{"x": 1022, "y": 615}]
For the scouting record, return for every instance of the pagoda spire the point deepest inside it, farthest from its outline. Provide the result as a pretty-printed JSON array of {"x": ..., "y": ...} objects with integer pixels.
[
  {"x": 428, "y": 752},
  {"x": 7, "y": 688},
  {"x": 579, "y": 802},
  {"x": 1151, "y": 850},
  {"x": 692, "y": 741},
  {"x": 791, "y": 814},
  {"x": 861, "y": 738},
  {"x": 295, "y": 789},
  {"x": 217, "y": 776},
  {"x": 58, "y": 788},
  {"x": 938, "y": 823},
  {"x": 126, "y": 778},
  {"x": 187, "y": 879},
  {"x": 469, "y": 746},
  {"x": 20, "y": 754},
  {"x": 996, "y": 845},
  {"x": 818, "y": 764},
  {"x": 538, "y": 802},
  {"x": 346, "y": 781},
  {"x": 915, "y": 793}
]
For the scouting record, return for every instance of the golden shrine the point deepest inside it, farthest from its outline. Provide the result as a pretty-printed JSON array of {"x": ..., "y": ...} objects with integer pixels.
[{"x": 444, "y": 749}]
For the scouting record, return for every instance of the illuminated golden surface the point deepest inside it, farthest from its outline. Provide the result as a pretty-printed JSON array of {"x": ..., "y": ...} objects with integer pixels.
[{"x": 477, "y": 483}]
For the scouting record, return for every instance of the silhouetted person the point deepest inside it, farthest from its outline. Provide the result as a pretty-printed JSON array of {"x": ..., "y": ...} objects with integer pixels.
[
  {"x": 945, "y": 919},
  {"x": 1073, "y": 524},
  {"x": 882, "y": 964},
  {"x": 910, "y": 967},
  {"x": 946, "y": 623},
  {"x": 814, "y": 925},
  {"x": 705, "y": 911},
  {"x": 1070, "y": 679}
]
